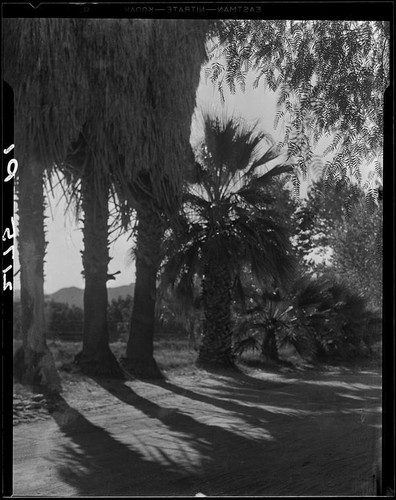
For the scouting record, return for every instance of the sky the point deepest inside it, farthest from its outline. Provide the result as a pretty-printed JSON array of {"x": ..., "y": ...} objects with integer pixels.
[{"x": 63, "y": 264}]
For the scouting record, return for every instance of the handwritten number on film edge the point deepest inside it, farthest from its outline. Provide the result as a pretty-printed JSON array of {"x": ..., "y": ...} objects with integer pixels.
[{"x": 9, "y": 234}]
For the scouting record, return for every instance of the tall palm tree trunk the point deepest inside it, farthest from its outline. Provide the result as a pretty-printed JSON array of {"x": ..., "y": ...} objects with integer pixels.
[
  {"x": 140, "y": 360},
  {"x": 174, "y": 52},
  {"x": 33, "y": 362},
  {"x": 96, "y": 357},
  {"x": 216, "y": 345}
]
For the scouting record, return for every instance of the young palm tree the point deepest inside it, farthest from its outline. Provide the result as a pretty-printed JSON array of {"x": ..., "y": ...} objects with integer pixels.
[{"x": 226, "y": 224}]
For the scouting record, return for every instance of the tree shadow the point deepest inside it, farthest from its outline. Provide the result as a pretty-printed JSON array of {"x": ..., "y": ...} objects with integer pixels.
[
  {"x": 219, "y": 447},
  {"x": 230, "y": 458},
  {"x": 296, "y": 395},
  {"x": 242, "y": 440},
  {"x": 96, "y": 463}
]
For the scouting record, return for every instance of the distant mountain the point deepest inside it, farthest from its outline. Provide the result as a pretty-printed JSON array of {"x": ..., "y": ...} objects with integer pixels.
[
  {"x": 74, "y": 296},
  {"x": 71, "y": 295}
]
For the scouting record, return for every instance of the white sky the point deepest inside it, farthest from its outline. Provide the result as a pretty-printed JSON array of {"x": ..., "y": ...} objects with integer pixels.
[{"x": 63, "y": 265}]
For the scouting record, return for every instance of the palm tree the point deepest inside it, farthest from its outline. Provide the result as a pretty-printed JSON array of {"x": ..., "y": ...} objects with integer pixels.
[
  {"x": 89, "y": 188},
  {"x": 152, "y": 184},
  {"x": 227, "y": 224},
  {"x": 38, "y": 55}
]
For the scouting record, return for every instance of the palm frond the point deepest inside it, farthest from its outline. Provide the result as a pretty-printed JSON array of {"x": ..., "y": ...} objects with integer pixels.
[
  {"x": 271, "y": 153},
  {"x": 275, "y": 171},
  {"x": 255, "y": 196},
  {"x": 245, "y": 344}
]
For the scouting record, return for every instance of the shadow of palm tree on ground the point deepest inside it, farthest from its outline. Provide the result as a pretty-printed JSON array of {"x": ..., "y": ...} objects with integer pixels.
[
  {"x": 218, "y": 447},
  {"x": 96, "y": 463},
  {"x": 327, "y": 391},
  {"x": 220, "y": 435},
  {"x": 232, "y": 463}
]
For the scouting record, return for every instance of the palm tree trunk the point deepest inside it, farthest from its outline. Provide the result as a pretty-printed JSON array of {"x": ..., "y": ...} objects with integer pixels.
[
  {"x": 140, "y": 360},
  {"x": 96, "y": 357},
  {"x": 33, "y": 361},
  {"x": 216, "y": 345},
  {"x": 269, "y": 348},
  {"x": 164, "y": 135}
]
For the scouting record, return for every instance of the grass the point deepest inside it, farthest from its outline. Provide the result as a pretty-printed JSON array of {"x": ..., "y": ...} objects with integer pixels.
[
  {"x": 171, "y": 355},
  {"x": 175, "y": 355}
]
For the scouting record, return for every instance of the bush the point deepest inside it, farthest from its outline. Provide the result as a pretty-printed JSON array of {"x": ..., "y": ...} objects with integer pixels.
[
  {"x": 119, "y": 313},
  {"x": 319, "y": 316},
  {"x": 341, "y": 325},
  {"x": 62, "y": 319},
  {"x": 66, "y": 322}
]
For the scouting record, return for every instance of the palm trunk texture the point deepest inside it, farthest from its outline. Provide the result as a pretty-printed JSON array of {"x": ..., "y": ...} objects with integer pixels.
[
  {"x": 216, "y": 345},
  {"x": 140, "y": 360},
  {"x": 96, "y": 357},
  {"x": 33, "y": 361}
]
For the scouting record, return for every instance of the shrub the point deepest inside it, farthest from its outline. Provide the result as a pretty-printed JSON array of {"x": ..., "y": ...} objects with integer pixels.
[{"x": 319, "y": 316}]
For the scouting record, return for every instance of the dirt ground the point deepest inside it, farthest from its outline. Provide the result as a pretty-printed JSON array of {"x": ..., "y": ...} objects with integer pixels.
[{"x": 261, "y": 433}]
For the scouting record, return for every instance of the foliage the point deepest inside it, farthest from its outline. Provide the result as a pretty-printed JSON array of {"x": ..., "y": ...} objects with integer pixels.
[
  {"x": 326, "y": 208},
  {"x": 180, "y": 314},
  {"x": 269, "y": 320},
  {"x": 229, "y": 208},
  {"x": 337, "y": 222},
  {"x": 118, "y": 316},
  {"x": 62, "y": 91},
  {"x": 42, "y": 59},
  {"x": 318, "y": 316},
  {"x": 329, "y": 76},
  {"x": 153, "y": 175},
  {"x": 172, "y": 355},
  {"x": 357, "y": 251},
  {"x": 62, "y": 318},
  {"x": 344, "y": 321}
]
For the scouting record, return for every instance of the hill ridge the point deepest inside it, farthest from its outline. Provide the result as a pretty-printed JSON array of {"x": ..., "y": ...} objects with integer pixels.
[{"x": 74, "y": 296}]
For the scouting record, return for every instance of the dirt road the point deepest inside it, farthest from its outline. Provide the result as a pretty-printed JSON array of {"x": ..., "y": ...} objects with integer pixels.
[{"x": 309, "y": 433}]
